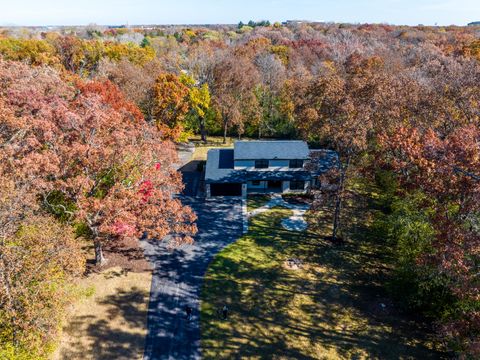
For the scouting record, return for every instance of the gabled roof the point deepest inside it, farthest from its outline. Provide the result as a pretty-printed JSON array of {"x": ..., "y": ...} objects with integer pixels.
[{"x": 274, "y": 149}]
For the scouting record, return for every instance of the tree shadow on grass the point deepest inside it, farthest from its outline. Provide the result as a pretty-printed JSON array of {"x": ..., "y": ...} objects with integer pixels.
[
  {"x": 113, "y": 334},
  {"x": 333, "y": 308}
]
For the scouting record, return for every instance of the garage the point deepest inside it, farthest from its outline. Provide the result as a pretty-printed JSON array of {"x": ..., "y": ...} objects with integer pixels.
[{"x": 231, "y": 189}]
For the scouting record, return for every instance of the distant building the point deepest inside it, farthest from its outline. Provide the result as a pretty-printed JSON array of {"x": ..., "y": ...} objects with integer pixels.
[
  {"x": 475, "y": 23},
  {"x": 295, "y": 22}
]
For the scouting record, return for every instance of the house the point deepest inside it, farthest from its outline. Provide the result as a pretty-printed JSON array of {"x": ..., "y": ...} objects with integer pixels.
[{"x": 277, "y": 166}]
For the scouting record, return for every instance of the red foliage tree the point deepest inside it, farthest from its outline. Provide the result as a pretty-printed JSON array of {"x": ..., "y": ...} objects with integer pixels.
[
  {"x": 92, "y": 146},
  {"x": 447, "y": 168}
]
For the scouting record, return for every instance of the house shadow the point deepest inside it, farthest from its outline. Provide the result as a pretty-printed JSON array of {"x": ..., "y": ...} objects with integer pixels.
[
  {"x": 192, "y": 166},
  {"x": 192, "y": 177}
]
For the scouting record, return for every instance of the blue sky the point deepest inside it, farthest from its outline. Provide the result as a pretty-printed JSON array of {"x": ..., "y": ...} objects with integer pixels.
[{"x": 82, "y": 12}]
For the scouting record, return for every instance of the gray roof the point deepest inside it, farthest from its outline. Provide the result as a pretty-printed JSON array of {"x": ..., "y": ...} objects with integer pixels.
[{"x": 274, "y": 149}]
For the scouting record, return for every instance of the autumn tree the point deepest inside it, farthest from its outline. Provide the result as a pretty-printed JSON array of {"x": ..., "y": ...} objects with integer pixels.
[
  {"x": 447, "y": 171},
  {"x": 78, "y": 56},
  {"x": 39, "y": 257},
  {"x": 96, "y": 149},
  {"x": 37, "y": 264},
  {"x": 235, "y": 79},
  {"x": 32, "y": 51},
  {"x": 272, "y": 74},
  {"x": 136, "y": 82},
  {"x": 171, "y": 104},
  {"x": 199, "y": 103},
  {"x": 330, "y": 112}
]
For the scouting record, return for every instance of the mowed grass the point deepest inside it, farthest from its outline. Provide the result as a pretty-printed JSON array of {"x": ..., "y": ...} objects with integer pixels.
[
  {"x": 110, "y": 321},
  {"x": 200, "y": 153},
  {"x": 329, "y": 309},
  {"x": 257, "y": 201},
  {"x": 213, "y": 142}
]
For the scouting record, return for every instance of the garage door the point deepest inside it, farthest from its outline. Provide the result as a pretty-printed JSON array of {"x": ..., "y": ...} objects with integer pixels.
[{"x": 233, "y": 189}]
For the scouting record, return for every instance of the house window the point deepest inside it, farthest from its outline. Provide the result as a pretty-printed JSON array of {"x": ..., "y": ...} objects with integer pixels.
[
  {"x": 297, "y": 185},
  {"x": 296, "y": 164},
  {"x": 256, "y": 183},
  {"x": 261, "y": 164}
]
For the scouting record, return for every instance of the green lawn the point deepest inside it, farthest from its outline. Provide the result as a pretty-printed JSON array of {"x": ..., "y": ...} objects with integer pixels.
[
  {"x": 329, "y": 309},
  {"x": 201, "y": 149},
  {"x": 257, "y": 201}
]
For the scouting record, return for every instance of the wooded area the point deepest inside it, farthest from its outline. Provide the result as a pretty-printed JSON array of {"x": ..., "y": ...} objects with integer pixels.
[{"x": 89, "y": 118}]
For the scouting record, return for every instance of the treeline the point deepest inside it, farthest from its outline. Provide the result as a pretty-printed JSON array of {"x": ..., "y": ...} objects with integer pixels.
[
  {"x": 399, "y": 103},
  {"x": 251, "y": 74}
]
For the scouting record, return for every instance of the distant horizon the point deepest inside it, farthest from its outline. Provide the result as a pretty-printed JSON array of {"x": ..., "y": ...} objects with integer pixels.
[
  {"x": 229, "y": 24},
  {"x": 35, "y": 13}
]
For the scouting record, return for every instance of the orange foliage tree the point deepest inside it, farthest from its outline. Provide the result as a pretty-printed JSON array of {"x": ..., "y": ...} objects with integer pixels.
[{"x": 171, "y": 105}]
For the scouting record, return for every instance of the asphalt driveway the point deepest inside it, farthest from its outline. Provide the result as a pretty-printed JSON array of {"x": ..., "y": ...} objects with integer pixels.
[
  {"x": 177, "y": 279},
  {"x": 191, "y": 177}
]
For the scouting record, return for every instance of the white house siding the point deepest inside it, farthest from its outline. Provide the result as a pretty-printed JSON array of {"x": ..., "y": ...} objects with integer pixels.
[
  {"x": 274, "y": 165},
  {"x": 285, "y": 187},
  {"x": 244, "y": 164}
]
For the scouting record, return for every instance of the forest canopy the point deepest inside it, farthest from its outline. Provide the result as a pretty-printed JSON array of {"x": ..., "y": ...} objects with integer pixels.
[{"x": 89, "y": 117}]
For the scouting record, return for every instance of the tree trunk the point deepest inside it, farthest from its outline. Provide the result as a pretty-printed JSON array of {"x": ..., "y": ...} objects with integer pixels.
[
  {"x": 10, "y": 302},
  {"x": 225, "y": 128},
  {"x": 99, "y": 258},
  {"x": 339, "y": 199},
  {"x": 336, "y": 216},
  {"x": 203, "y": 131}
]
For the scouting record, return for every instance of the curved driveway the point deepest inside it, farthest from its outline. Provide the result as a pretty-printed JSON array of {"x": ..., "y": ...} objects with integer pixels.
[{"x": 177, "y": 279}]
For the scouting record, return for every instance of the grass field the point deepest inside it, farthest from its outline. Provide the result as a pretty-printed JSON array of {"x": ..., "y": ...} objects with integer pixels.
[
  {"x": 109, "y": 322},
  {"x": 201, "y": 149},
  {"x": 109, "y": 319},
  {"x": 211, "y": 141},
  {"x": 257, "y": 201},
  {"x": 334, "y": 307}
]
